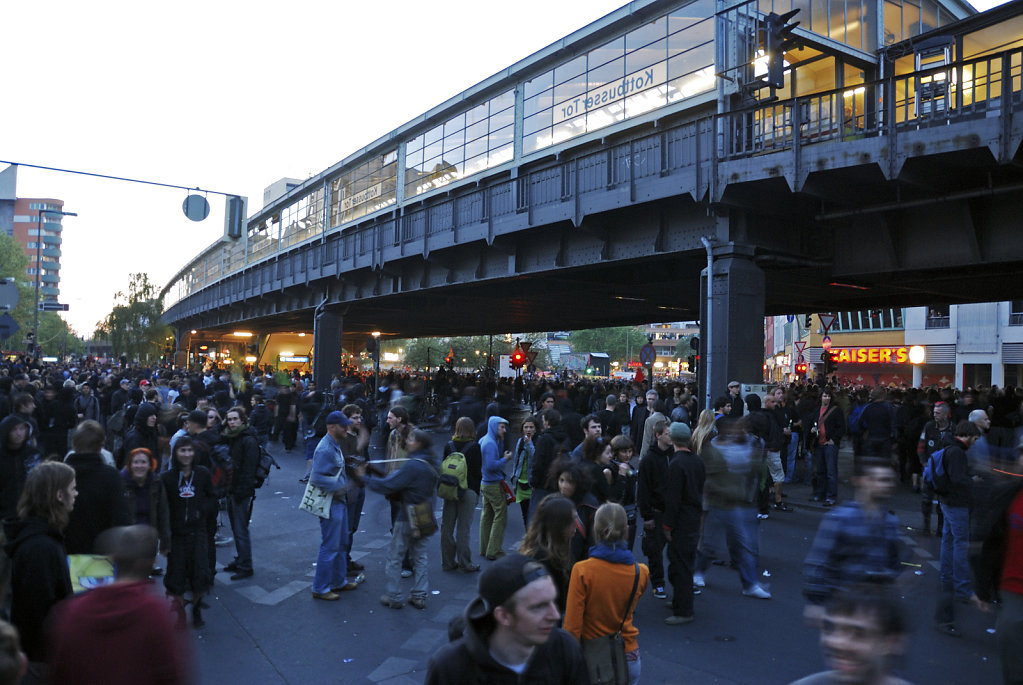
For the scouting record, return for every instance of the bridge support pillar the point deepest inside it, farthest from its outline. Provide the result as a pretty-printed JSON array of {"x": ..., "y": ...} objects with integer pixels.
[
  {"x": 327, "y": 329},
  {"x": 736, "y": 349}
]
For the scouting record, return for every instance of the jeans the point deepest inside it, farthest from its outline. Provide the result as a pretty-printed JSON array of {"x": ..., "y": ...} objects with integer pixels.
[
  {"x": 402, "y": 542},
  {"x": 792, "y": 449},
  {"x": 635, "y": 668},
  {"x": 454, "y": 531},
  {"x": 826, "y": 458},
  {"x": 492, "y": 519},
  {"x": 332, "y": 560},
  {"x": 740, "y": 532},
  {"x": 238, "y": 513},
  {"x": 356, "y": 498},
  {"x": 955, "y": 541}
]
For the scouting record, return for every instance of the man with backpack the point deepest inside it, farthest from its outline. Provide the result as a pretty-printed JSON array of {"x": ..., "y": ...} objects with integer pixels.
[
  {"x": 936, "y": 434},
  {"x": 953, "y": 482}
]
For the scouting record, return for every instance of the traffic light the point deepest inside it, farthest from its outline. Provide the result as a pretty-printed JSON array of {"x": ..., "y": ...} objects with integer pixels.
[
  {"x": 518, "y": 359},
  {"x": 801, "y": 369},
  {"x": 777, "y": 39}
]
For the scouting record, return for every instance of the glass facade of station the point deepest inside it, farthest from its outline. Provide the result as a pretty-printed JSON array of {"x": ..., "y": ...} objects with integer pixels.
[
  {"x": 667, "y": 60},
  {"x": 664, "y": 62}
]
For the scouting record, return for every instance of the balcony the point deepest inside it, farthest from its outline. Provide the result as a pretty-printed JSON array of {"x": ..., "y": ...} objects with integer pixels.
[
  {"x": 1016, "y": 318},
  {"x": 938, "y": 322}
]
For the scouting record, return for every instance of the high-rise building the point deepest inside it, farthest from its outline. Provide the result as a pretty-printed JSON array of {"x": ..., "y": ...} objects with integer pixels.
[{"x": 35, "y": 223}]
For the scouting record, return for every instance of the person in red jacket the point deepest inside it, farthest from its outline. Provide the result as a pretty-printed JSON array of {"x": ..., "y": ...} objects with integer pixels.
[{"x": 125, "y": 618}]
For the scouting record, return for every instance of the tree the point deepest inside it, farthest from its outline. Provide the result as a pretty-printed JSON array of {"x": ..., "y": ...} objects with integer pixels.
[
  {"x": 617, "y": 342},
  {"x": 56, "y": 337},
  {"x": 464, "y": 347},
  {"x": 133, "y": 326}
]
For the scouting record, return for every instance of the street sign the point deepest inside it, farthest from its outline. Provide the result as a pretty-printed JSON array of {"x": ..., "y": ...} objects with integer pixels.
[
  {"x": 647, "y": 354},
  {"x": 52, "y": 307},
  {"x": 195, "y": 207},
  {"x": 8, "y": 326},
  {"x": 800, "y": 345},
  {"x": 8, "y": 293},
  {"x": 790, "y": 317},
  {"x": 531, "y": 356},
  {"x": 827, "y": 320}
]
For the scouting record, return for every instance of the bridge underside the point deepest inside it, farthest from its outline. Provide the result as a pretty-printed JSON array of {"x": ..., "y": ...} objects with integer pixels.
[{"x": 575, "y": 243}]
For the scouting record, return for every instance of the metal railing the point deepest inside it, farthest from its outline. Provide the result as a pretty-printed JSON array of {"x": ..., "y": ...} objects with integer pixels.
[{"x": 989, "y": 86}]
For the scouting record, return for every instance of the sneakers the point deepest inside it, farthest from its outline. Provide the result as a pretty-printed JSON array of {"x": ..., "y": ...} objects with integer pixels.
[
  {"x": 781, "y": 506},
  {"x": 242, "y": 575},
  {"x": 762, "y": 517},
  {"x": 659, "y": 592},
  {"x": 304, "y": 479},
  {"x": 757, "y": 592},
  {"x": 678, "y": 620},
  {"x": 221, "y": 540},
  {"x": 406, "y": 573},
  {"x": 328, "y": 596},
  {"x": 471, "y": 568},
  {"x": 232, "y": 567},
  {"x": 829, "y": 502},
  {"x": 698, "y": 580}
]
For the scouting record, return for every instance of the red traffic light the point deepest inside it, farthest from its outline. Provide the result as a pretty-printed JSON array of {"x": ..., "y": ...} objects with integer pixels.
[
  {"x": 517, "y": 358},
  {"x": 801, "y": 368}
]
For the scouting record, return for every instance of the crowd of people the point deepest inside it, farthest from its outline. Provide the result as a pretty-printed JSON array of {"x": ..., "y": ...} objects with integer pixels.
[{"x": 589, "y": 466}]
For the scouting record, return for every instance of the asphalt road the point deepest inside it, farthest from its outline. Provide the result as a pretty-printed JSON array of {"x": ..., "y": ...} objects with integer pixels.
[{"x": 269, "y": 629}]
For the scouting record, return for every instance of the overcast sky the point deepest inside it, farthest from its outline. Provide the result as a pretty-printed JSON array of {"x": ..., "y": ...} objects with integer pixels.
[{"x": 227, "y": 96}]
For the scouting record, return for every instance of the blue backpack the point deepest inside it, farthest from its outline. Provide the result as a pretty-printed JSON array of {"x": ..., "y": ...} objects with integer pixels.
[{"x": 934, "y": 472}]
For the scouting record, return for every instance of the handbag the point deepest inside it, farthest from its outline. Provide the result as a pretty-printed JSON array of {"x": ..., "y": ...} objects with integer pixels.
[
  {"x": 421, "y": 521},
  {"x": 605, "y": 655},
  {"x": 509, "y": 494},
  {"x": 316, "y": 501}
]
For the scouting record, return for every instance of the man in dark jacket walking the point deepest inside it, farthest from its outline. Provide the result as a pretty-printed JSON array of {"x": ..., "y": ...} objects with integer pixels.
[
  {"x": 683, "y": 511},
  {"x": 100, "y": 504},
  {"x": 243, "y": 446},
  {"x": 955, "y": 536},
  {"x": 650, "y": 493}
]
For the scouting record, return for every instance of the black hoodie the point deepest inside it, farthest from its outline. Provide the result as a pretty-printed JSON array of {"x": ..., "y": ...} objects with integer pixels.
[
  {"x": 39, "y": 579},
  {"x": 14, "y": 466}
]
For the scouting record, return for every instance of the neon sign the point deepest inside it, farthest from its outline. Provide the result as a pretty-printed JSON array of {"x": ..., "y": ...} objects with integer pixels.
[{"x": 870, "y": 355}]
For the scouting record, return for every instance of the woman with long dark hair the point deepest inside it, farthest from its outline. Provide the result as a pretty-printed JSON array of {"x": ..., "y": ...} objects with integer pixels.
[
  {"x": 547, "y": 540},
  {"x": 189, "y": 490},
  {"x": 573, "y": 482},
  {"x": 39, "y": 568}
]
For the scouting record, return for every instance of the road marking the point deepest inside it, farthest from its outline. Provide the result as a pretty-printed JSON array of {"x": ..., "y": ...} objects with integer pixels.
[
  {"x": 392, "y": 666},
  {"x": 425, "y": 640},
  {"x": 258, "y": 595}
]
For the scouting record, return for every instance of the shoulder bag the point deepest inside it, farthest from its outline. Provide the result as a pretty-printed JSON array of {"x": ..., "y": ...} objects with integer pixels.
[
  {"x": 605, "y": 655},
  {"x": 316, "y": 501},
  {"x": 421, "y": 520}
]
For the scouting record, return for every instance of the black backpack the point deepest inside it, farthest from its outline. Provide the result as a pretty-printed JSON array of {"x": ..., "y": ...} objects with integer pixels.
[{"x": 263, "y": 466}]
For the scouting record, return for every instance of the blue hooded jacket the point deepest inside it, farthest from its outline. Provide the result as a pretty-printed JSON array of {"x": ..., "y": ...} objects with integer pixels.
[{"x": 491, "y": 447}]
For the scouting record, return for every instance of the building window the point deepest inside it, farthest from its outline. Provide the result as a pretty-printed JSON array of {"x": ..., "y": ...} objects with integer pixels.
[
  {"x": 938, "y": 316},
  {"x": 1016, "y": 313},
  {"x": 869, "y": 320},
  {"x": 466, "y": 144},
  {"x": 668, "y": 60},
  {"x": 48, "y": 206}
]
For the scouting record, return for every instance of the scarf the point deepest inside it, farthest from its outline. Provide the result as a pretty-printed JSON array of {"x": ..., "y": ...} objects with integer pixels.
[
  {"x": 619, "y": 554},
  {"x": 236, "y": 432}
]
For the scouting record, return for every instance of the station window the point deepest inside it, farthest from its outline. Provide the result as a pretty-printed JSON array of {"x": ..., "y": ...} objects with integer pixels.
[
  {"x": 468, "y": 143},
  {"x": 364, "y": 189},
  {"x": 302, "y": 218},
  {"x": 664, "y": 61}
]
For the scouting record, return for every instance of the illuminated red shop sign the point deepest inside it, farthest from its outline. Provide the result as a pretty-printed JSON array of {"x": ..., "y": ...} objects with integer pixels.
[{"x": 870, "y": 355}]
